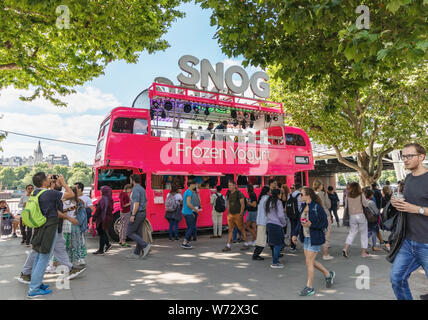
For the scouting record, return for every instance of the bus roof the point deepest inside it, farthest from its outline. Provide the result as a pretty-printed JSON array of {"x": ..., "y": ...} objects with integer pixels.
[{"x": 159, "y": 91}]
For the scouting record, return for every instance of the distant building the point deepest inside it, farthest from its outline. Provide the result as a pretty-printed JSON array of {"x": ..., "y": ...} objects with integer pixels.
[
  {"x": 60, "y": 160},
  {"x": 13, "y": 162},
  {"x": 38, "y": 154},
  {"x": 37, "y": 157}
]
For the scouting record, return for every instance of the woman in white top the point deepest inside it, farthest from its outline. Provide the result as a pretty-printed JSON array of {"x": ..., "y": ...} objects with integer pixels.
[
  {"x": 74, "y": 238},
  {"x": 357, "y": 220}
]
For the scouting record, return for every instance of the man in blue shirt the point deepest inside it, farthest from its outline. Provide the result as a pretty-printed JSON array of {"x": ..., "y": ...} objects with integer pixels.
[{"x": 188, "y": 213}]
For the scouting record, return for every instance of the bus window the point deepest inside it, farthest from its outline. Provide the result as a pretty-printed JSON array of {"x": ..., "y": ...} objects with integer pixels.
[
  {"x": 224, "y": 180},
  {"x": 114, "y": 178},
  {"x": 294, "y": 140},
  {"x": 300, "y": 177},
  {"x": 242, "y": 181},
  {"x": 140, "y": 126},
  {"x": 169, "y": 181},
  {"x": 279, "y": 179},
  {"x": 256, "y": 181},
  {"x": 130, "y": 125}
]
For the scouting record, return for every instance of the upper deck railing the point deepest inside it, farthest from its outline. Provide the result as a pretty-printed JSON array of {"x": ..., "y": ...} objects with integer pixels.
[{"x": 159, "y": 90}]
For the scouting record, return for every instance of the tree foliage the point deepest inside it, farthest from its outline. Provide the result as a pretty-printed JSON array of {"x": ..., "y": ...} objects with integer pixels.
[
  {"x": 35, "y": 52},
  {"x": 359, "y": 91}
]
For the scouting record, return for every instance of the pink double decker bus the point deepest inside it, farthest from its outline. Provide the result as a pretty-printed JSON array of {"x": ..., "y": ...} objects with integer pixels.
[{"x": 172, "y": 134}]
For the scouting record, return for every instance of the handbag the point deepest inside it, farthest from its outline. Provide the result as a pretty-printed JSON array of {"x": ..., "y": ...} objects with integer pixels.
[
  {"x": 371, "y": 218},
  {"x": 346, "y": 214},
  {"x": 6, "y": 226}
]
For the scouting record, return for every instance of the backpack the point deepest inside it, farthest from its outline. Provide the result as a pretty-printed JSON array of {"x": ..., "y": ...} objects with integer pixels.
[
  {"x": 82, "y": 217},
  {"x": 32, "y": 215},
  {"x": 371, "y": 215},
  {"x": 292, "y": 207},
  {"x": 171, "y": 204},
  {"x": 220, "y": 204}
]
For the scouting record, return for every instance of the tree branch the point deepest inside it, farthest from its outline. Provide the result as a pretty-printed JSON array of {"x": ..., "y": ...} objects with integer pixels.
[
  {"x": 346, "y": 162},
  {"x": 10, "y": 66},
  {"x": 380, "y": 162}
]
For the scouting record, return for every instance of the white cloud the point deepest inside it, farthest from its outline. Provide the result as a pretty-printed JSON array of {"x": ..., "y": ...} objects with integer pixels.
[{"x": 86, "y": 99}]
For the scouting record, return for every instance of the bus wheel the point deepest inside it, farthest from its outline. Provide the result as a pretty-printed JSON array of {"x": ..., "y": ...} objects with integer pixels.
[{"x": 113, "y": 231}]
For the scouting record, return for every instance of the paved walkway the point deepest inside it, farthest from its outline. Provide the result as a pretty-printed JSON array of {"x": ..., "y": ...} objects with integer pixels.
[{"x": 170, "y": 272}]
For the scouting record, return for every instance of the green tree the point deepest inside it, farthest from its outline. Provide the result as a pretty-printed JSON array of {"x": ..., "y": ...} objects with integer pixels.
[
  {"x": 39, "y": 48},
  {"x": 80, "y": 176},
  {"x": 7, "y": 177},
  {"x": 20, "y": 172},
  {"x": 64, "y": 170},
  {"x": 360, "y": 91},
  {"x": 388, "y": 175}
]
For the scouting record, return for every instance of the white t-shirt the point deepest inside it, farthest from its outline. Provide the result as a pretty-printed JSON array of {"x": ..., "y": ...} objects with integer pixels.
[
  {"x": 66, "y": 227},
  {"x": 86, "y": 200}
]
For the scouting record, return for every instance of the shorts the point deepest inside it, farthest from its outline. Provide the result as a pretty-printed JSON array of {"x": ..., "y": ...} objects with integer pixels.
[
  {"x": 251, "y": 216},
  {"x": 235, "y": 220},
  {"x": 308, "y": 247},
  {"x": 261, "y": 236}
]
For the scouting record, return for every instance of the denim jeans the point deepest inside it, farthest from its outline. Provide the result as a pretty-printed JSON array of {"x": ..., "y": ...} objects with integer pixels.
[
  {"x": 39, "y": 267},
  {"x": 235, "y": 233},
  {"x": 195, "y": 229},
  {"x": 135, "y": 230},
  {"x": 411, "y": 256},
  {"x": 276, "y": 251},
  {"x": 191, "y": 225},
  {"x": 173, "y": 228}
]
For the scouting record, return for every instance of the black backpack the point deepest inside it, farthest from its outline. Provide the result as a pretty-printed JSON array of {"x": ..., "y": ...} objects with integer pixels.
[
  {"x": 220, "y": 204},
  {"x": 292, "y": 207}
]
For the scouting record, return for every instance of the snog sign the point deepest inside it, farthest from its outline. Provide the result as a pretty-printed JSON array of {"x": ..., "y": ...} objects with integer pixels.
[{"x": 219, "y": 78}]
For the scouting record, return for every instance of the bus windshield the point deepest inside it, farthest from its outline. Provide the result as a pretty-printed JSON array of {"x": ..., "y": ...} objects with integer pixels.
[{"x": 114, "y": 178}]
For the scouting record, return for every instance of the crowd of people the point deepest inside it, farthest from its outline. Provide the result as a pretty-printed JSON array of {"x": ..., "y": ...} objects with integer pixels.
[{"x": 278, "y": 218}]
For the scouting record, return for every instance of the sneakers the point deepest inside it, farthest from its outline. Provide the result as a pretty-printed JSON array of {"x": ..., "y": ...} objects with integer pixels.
[
  {"x": 306, "y": 292},
  {"x": 277, "y": 265},
  {"x": 327, "y": 257},
  {"x": 245, "y": 248},
  {"x": 177, "y": 238},
  {"x": 125, "y": 245},
  {"x": 38, "y": 293},
  {"x": 107, "y": 248},
  {"x": 329, "y": 280},
  {"x": 292, "y": 250},
  {"x": 186, "y": 246},
  {"x": 25, "y": 278},
  {"x": 44, "y": 286},
  {"x": 258, "y": 258},
  {"x": 146, "y": 250},
  {"x": 74, "y": 272},
  {"x": 226, "y": 249},
  {"x": 133, "y": 256},
  {"x": 14, "y": 235},
  {"x": 98, "y": 252}
]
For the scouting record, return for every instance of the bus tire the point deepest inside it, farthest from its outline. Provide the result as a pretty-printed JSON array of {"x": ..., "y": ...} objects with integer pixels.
[{"x": 113, "y": 231}]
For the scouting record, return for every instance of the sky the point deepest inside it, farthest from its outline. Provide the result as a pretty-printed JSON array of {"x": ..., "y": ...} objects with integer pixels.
[{"x": 119, "y": 86}]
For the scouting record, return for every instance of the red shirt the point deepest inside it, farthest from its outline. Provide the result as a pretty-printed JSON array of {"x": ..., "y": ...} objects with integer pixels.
[{"x": 124, "y": 200}]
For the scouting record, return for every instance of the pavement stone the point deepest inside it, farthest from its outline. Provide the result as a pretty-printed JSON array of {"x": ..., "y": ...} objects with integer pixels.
[{"x": 170, "y": 272}]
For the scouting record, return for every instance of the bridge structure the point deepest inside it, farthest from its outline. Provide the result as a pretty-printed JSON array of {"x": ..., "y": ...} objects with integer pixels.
[{"x": 327, "y": 165}]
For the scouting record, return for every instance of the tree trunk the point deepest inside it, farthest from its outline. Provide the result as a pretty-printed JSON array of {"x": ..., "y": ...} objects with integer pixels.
[{"x": 367, "y": 177}]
